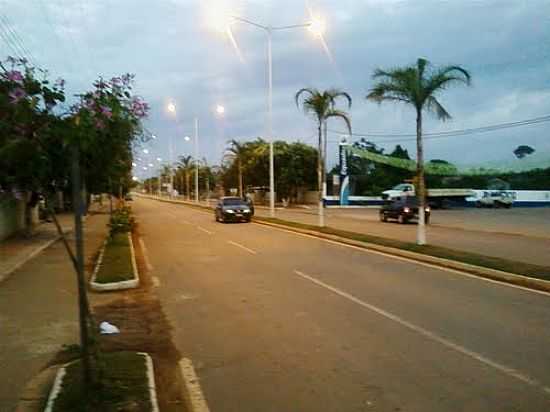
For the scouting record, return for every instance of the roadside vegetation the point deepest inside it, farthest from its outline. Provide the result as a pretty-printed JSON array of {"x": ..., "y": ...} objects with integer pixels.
[
  {"x": 121, "y": 386},
  {"x": 117, "y": 265}
]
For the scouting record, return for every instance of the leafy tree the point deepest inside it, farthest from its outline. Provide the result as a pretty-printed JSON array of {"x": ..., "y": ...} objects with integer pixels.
[
  {"x": 321, "y": 105},
  {"x": 184, "y": 167},
  {"x": 238, "y": 151},
  {"x": 523, "y": 150},
  {"x": 418, "y": 85},
  {"x": 32, "y": 151}
]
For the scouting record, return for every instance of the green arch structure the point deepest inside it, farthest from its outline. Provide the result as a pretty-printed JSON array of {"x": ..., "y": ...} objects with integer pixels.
[{"x": 439, "y": 169}]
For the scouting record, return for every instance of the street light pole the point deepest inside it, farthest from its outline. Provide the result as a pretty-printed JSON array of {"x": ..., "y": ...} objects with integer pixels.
[
  {"x": 269, "y": 30},
  {"x": 270, "y": 124},
  {"x": 196, "y": 160}
]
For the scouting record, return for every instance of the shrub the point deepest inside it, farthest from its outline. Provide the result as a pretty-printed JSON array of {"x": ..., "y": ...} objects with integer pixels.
[{"x": 121, "y": 220}]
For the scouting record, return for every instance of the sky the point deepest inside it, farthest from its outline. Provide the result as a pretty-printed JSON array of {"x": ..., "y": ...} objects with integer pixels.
[{"x": 179, "y": 57}]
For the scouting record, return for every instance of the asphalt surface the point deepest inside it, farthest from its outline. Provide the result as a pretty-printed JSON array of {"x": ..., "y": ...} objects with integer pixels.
[
  {"x": 522, "y": 235},
  {"x": 275, "y": 321}
]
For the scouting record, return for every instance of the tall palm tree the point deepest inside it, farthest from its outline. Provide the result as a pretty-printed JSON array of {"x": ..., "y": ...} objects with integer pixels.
[
  {"x": 238, "y": 151},
  {"x": 185, "y": 164},
  {"x": 418, "y": 85},
  {"x": 321, "y": 105}
]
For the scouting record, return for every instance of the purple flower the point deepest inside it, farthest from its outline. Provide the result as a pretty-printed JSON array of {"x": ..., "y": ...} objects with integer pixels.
[
  {"x": 106, "y": 111},
  {"x": 17, "y": 94},
  {"x": 14, "y": 76},
  {"x": 100, "y": 84}
]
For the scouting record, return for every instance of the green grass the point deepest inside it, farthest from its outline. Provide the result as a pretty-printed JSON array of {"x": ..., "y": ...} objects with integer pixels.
[
  {"x": 117, "y": 260},
  {"x": 511, "y": 266},
  {"x": 122, "y": 385}
]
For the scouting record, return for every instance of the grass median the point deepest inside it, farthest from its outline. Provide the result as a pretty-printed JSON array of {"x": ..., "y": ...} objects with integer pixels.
[
  {"x": 505, "y": 265},
  {"x": 116, "y": 265},
  {"x": 122, "y": 385}
]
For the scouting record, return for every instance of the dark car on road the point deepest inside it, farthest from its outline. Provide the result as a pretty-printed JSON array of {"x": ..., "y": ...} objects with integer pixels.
[
  {"x": 403, "y": 209},
  {"x": 233, "y": 209}
]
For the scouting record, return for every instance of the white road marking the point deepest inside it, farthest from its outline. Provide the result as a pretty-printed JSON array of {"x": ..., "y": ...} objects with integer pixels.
[
  {"x": 432, "y": 336},
  {"x": 405, "y": 259},
  {"x": 242, "y": 247},
  {"x": 194, "y": 394},
  {"x": 145, "y": 255},
  {"x": 205, "y": 230}
]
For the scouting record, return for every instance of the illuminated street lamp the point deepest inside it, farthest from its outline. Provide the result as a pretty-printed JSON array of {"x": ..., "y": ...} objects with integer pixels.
[
  {"x": 222, "y": 20},
  {"x": 220, "y": 109}
]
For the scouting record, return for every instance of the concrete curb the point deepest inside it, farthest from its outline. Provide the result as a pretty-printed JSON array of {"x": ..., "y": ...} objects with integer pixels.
[
  {"x": 493, "y": 274},
  {"x": 124, "y": 284},
  {"x": 151, "y": 380},
  {"x": 56, "y": 388},
  {"x": 7, "y": 273},
  {"x": 192, "y": 392}
]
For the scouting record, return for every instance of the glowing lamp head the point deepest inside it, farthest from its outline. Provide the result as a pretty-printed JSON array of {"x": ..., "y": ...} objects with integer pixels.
[
  {"x": 171, "y": 107},
  {"x": 220, "y": 109},
  {"x": 317, "y": 26},
  {"x": 186, "y": 138}
]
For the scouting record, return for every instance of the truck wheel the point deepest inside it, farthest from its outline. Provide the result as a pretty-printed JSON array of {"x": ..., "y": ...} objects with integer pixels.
[
  {"x": 401, "y": 219},
  {"x": 383, "y": 217}
]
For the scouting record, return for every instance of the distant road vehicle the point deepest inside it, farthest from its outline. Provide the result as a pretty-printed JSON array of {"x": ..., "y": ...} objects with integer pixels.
[
  {"x": 496, "y": 199},
  {"x": 232, "y": 209},
  {"x": 403, "y": 209},
  {"x": 128, "y": 197},
  {"x": 436, "y": 198}
]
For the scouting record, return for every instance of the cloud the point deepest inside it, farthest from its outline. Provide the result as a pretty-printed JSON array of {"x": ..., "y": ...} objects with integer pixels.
[{"x": 504, "y": 43}]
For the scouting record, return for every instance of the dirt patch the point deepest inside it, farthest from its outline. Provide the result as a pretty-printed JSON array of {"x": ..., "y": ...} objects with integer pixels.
[{"x": 143, "y": 327}]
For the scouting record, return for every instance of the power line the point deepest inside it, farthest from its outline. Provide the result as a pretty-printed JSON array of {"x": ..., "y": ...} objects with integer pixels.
[
  {"x": 15, "y": 39},
  {"x": 460, "y": 132}
]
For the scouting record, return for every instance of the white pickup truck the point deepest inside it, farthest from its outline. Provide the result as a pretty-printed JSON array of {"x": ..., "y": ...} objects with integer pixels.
[{"x": 437, "y": 198}]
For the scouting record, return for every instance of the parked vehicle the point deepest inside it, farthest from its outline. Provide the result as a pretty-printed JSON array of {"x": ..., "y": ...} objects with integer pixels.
[
  {"x": 437, "y": 198},
  {"x": 233, "y": 209},
  {"x": 128, "y": 197},
  {"x": 403, "y": 209},
  {"x": 499, "y": 198}
]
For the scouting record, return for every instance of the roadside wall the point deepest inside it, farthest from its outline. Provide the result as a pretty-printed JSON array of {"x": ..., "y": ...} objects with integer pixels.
[{"x": 9, "y": 222}]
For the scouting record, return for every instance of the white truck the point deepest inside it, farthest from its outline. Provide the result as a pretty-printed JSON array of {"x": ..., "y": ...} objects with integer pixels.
[{"x": 436, "y": 198}]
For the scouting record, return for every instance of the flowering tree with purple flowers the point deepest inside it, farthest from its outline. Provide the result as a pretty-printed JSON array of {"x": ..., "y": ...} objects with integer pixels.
[
  {"x": 108, "y": 121},
  {"x": 43, "y": 148},
  {"x": 31, "y": 153}
]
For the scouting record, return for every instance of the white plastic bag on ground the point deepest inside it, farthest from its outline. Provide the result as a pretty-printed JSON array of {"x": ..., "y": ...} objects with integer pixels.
[{"x": 105, "y": 328}]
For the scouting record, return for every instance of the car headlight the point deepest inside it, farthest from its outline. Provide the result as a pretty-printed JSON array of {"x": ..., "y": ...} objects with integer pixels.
[
  {"x": 406, "y": 210},
  {"x": 246, "y": 211},
  {"x": 427, "y": 209},
  {"x": 229, "y": 211}
]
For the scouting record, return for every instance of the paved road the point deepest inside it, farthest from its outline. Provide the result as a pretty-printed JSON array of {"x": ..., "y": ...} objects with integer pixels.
[
  {"x": 276, "y": 321},
  {"x": 455, "y": 230}
]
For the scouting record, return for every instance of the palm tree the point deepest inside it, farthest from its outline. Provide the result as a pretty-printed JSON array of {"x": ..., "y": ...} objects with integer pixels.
[
  {"x": 418, "y": 86},
  {"x": 322, "y": 106},
  {"x": 238, "y": 152},
  {"x": 185, "y": 164}
]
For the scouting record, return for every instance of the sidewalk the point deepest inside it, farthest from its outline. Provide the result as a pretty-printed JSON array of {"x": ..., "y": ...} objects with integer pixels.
[
  {"x": 38, "y": 304},
  {"x": 15, "y": 251}
]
